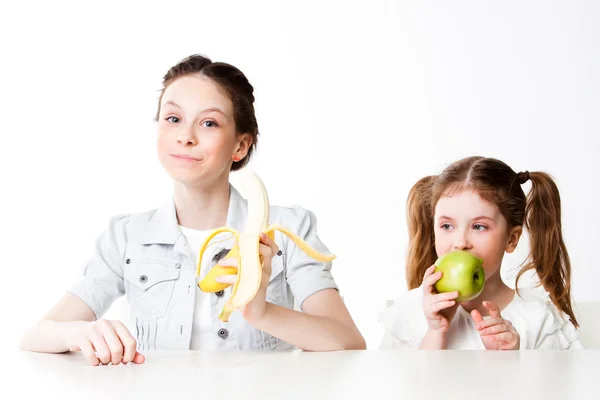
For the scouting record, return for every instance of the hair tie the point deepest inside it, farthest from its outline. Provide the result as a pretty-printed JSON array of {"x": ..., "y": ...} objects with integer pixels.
[{"x": 523, "y": 177}]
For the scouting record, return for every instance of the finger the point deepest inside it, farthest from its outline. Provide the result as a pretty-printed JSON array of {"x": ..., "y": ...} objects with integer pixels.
[
  {"x": 227, "y": 279},
  {"x": 101, "y": 348},
  {"x": 266, "y": 252},
  {"x": 88, "y": 352},
  {"x": 505, "y": 336},
  {"x": 444, "y": 296},
  {"x": 493, "y": 309},
  {"x": 266, "y": 240},
  {"x": 428, "y": 272},
  {"x": 489, "y": 322},
  {"x": 115, "y": 347},
  {"x": 476, "y": 315},
  {"x": 431, "y": 280},
  {"x": 229, "y": 262},
  {"x": 139, "y": 358},
  {"x": 492, "y": 330},
  {"x": 442, "y": 305},
  {"x": 127, "y": 340}
]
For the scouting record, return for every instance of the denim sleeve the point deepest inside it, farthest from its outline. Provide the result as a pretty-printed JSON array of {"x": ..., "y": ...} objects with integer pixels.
[{"x": 102, "y": 280}]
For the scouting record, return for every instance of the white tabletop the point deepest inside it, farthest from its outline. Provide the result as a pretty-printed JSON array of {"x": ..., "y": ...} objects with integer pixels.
[{"x": 301, "y": 375}]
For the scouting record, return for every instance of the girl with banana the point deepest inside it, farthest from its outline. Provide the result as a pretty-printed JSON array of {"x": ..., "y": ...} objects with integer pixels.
[{"x": 210, "y": 269}]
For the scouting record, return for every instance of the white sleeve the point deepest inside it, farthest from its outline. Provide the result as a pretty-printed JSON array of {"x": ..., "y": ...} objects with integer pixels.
[
  {"x": 557, "y": 332},
  {"x": 404, "y": 323},
  {"x": 391, "y": 342}
]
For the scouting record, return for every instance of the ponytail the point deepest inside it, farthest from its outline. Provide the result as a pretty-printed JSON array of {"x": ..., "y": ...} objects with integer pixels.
[
  {"x": 548, "y": 254},
  {"x": 421, "y": 240}
]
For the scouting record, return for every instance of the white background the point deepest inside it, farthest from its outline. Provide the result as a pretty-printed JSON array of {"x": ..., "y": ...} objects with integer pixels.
[{"x": 355, "y": 102}]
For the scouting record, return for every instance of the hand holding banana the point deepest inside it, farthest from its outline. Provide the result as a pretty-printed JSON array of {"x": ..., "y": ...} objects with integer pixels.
[
  {"x": 255, "y": 308},
  {"x": 252, "y": 259}
]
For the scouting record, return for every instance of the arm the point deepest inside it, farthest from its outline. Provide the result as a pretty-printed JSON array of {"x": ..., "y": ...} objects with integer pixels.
[
  {"x": 72, "y": 325},
  {"x": 325, "y": 324},
  {"x": 433, "y": 340},
  {"x": 439, "y": 309},
  {"x": 48, "y": 335}
]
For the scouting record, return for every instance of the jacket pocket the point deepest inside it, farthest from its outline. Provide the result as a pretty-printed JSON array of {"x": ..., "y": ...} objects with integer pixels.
[{"x": 149, "y": 287}]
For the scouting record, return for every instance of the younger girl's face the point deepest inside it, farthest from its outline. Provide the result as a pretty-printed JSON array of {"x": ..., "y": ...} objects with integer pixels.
[
  {"x": 196, "y": 131},
  {"x": 465, "y": 221}
]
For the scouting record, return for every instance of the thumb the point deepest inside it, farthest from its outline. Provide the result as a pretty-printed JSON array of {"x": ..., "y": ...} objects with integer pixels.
[
  {"x": 138, "y": 358},
  {"x": 476, "y": 315}
]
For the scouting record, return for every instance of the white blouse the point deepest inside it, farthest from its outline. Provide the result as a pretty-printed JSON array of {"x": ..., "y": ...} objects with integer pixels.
[{"x": 539, "y": 323}]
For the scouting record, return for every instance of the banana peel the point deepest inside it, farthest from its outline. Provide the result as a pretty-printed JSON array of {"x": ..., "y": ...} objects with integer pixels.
[{"x": 246, "y": 249}]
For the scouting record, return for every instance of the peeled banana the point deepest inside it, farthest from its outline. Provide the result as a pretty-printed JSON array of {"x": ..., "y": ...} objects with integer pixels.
[{"x": 246, "y": 249}]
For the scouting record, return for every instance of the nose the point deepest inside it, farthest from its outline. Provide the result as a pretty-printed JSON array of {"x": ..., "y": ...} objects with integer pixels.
[
  {"x": 187, "y": 137},
  {"x": 461, "y": 241}
]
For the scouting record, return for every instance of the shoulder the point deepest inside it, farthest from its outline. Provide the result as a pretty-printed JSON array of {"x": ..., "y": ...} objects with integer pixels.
[
  {"x": 404, "y": 319},
  {"x": 131, "y": 220},
  {"x": 293, "y": 215},
  {"x": 130, "y": 225}
]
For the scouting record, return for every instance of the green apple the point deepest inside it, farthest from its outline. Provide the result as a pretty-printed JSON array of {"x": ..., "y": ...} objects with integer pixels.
[{"x": 461, "y": 271}]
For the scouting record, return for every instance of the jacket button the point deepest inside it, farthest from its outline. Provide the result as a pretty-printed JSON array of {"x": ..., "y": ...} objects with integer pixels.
[
  {"x": 143, "y": 278},
  {"x": 177, "y": 266},
  {"x": 220, "y": 293},
  {"x": 223, "y": 333},
  {"x": 128, "y": 261}
]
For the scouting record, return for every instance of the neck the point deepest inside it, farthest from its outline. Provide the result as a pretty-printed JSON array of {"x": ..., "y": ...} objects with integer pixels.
[
  {"x": 202, "y": 207},
  {"x": 495, "y": 290}
]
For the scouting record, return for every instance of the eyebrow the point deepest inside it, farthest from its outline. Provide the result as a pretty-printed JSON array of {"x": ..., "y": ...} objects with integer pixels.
[
  {"x": 483, "y": 217},
  {"x": 472, "y": 219},
  {"x": 208, "y": 110}
]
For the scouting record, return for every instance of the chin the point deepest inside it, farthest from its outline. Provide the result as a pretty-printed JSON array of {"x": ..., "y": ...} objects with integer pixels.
[{"x": 187, "y": 179}]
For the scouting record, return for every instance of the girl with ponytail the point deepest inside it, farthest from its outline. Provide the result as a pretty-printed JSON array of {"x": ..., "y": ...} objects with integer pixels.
[{"x": 478, "y": 205}]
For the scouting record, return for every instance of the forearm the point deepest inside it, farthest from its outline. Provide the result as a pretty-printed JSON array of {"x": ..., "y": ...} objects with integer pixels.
[
  {"x": 433, "y": 341},
  {"x": 308, "y": 332},
  {"x": 47, "y": 337}
]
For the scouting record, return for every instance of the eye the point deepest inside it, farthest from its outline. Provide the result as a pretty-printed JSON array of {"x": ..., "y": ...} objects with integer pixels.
[
  {"x": 446, "y": 226},
  {"x": 479, "y": 227},
  {"x": 210, "y": 124},
  {"x": 173, "y": 120}
]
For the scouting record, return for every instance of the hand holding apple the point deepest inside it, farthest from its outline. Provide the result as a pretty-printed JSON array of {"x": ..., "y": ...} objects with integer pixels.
[
  {"x": 462, "y": 272},
  {"x": 496, "y": 332},
  {"x": 439, "y": 308}
]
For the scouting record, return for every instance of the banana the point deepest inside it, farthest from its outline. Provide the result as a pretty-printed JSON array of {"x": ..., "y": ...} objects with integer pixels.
[{"x": 246, "y": 249}]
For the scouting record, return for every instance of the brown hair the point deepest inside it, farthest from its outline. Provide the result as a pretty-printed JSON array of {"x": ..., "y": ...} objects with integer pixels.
[
  {"x": 234, "y": 84},
  {"x": 496, "y": 182}
]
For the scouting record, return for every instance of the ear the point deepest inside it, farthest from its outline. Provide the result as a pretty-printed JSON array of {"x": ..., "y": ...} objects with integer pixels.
[
  {"x": 244, "y": 141},
  {"x": 513, "y": 238}
]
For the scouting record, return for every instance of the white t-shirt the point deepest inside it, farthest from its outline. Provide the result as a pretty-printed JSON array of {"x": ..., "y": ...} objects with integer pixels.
[
  {"x": 539, "y": 323},
  {"x": 203, "y": 335}
]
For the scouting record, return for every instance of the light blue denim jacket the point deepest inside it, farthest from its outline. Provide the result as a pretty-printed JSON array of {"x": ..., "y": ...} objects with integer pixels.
[{"x": 146, "y": 257}]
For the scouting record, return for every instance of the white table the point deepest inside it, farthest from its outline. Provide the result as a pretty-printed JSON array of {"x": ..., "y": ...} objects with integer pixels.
[{"x": 300, "y": 375}]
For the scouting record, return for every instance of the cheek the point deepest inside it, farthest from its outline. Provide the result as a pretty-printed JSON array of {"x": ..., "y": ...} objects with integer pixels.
[
  {"x": 491, "y": 249},
  {"x": 162, "y": 139},
  {"x": 443, "y": 242},
  {"x": 217, "y": 146}
]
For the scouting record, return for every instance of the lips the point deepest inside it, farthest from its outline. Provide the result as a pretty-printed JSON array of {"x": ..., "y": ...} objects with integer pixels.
[{"x": 185, "y": 157}]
